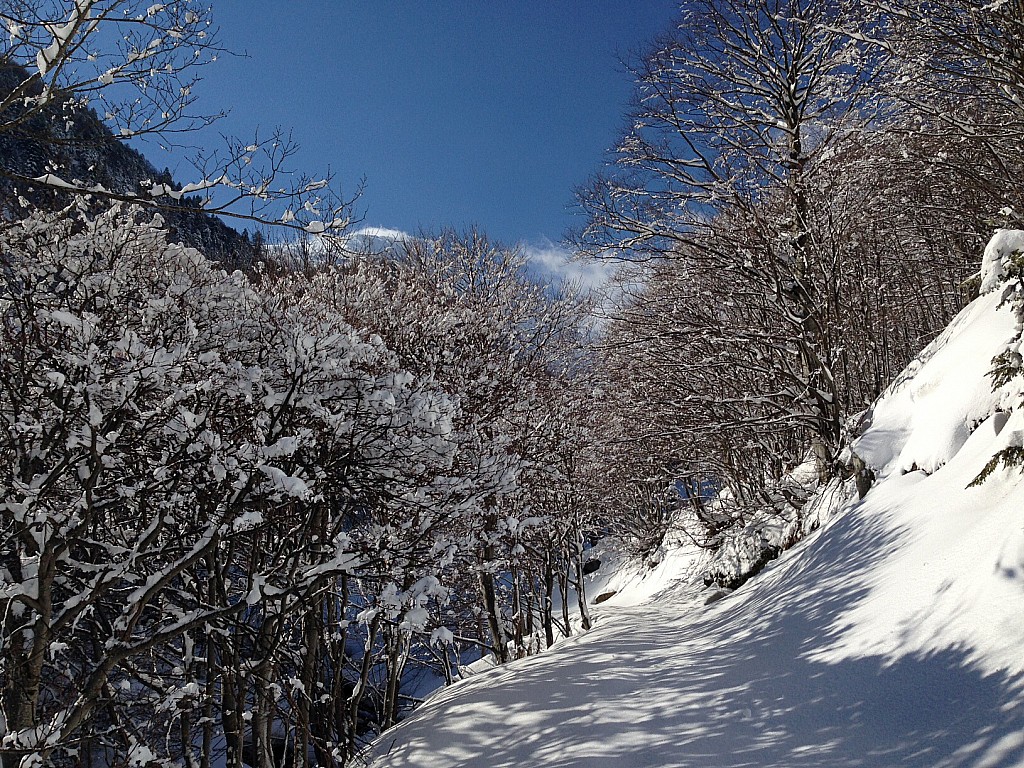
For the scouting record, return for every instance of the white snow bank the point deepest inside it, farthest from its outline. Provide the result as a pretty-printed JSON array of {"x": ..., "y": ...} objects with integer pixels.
[
  {"x": 627, "y": 581},
  {"x": 954, "y": 577},
  {"x": 927, "y": 414},
  {"x": 1000, "y": 248}
]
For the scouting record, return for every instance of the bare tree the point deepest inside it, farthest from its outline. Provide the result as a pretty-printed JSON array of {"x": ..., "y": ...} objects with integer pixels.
[
  {"x": 733, "y": 109},
  {"x": 801, "y": 238},
  {"x": 135, "y": 66}
]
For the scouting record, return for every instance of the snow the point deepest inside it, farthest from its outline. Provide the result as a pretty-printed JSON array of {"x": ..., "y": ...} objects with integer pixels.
[
  {"x": 52, "y": 180},
  {"x": 928, "y": 413},
  {"x": 441, "y": 636},
  {"x": 890, "y": 637},
  {"x": 1003, "y": 245},
  {"x": 415, "y": 618},
  {"x": 290, "y": 485}
]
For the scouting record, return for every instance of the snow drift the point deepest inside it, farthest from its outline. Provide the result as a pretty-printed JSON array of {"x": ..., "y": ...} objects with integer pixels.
[{"x": 893, "y": 636}]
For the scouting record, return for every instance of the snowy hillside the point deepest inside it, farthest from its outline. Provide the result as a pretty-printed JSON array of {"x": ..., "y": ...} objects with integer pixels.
[{"x": 894, "y": 636}]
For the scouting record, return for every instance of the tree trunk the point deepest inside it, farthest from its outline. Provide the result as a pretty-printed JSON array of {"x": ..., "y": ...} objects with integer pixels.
[
  {"x": 581, "y": 590},
  {"x": 492, "y": 609},
  {"x": 548, "y": 607}
]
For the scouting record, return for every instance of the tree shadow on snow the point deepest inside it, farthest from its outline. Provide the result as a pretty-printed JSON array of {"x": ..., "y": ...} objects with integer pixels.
[{"x": 738, "y": 686}]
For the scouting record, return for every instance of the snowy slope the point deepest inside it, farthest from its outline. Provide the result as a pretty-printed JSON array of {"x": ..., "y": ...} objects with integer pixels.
[{"x": 894, "y": 636}]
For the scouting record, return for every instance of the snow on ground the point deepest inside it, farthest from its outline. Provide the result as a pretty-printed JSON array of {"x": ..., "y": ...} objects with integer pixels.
[
  {"x": 625, "y": 581},
  {"x": 894, "y": 636}
]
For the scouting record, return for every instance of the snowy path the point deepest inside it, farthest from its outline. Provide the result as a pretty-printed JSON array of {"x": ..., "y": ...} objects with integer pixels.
[
  {"x": 652, "y": 686},
  {"x": 893, "y": 637}
]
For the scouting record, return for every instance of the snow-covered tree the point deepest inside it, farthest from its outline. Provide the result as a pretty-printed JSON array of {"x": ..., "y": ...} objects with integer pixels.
[
  {"x": 134, "y": 66},
  {"x": 192, "y": 468},
  {"x": 461, "y": 312}
]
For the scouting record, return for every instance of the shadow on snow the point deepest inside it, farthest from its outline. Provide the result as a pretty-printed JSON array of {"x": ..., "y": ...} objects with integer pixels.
[{"x": 659, "y": 685}]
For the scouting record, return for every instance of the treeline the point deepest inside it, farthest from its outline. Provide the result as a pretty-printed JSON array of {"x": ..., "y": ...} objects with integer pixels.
[
  {"x": 234, "y": 509},
  {"x": 237, "y": 509},
  {"x": 805, "y": 187}
]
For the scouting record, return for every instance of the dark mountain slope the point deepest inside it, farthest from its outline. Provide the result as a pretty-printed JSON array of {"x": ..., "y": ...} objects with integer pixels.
[{"x": 74, "y": 144}]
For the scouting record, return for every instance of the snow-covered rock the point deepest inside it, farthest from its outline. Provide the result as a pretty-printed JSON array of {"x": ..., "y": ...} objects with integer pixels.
[{"x": 1000, "y": 248}]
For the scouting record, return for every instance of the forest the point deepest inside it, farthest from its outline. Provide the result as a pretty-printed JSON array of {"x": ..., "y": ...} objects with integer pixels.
[{"x": 255, "y": 489}]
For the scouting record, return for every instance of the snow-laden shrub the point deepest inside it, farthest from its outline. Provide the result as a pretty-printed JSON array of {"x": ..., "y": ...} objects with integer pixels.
[
  {"x": 187, "y": 463},
  {"x": 742, "y": 552}
]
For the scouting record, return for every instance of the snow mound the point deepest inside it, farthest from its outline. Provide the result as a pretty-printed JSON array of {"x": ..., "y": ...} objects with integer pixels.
[
  {"x": 1000, "y": 248},
  {"x": 926, "y": 416},
  {"x": 959, "y": 564},
  {"x": 890, "y": 637}
]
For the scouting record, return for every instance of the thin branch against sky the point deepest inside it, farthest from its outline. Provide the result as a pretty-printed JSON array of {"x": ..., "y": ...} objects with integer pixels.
[{"x": 455, "y": 113}]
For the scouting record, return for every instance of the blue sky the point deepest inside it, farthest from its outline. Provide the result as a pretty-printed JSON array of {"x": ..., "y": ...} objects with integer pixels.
[{"x": 480, "y": 112}]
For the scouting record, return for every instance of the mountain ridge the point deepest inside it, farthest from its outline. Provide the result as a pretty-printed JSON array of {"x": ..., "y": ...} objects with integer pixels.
[{"x": 76, "y": 144}]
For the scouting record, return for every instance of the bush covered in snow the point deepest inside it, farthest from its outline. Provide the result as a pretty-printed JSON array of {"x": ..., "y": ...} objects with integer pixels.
[{"x": 229, "y": 512}]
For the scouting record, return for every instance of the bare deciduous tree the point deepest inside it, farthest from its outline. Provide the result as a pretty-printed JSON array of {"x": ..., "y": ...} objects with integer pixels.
[{"x": 135, "y": 66}]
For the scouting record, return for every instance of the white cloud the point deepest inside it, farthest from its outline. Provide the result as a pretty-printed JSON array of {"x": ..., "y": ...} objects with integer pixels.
[
  {"x": 381, "y": 233},
  {"x": 556, "y": 264}
]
